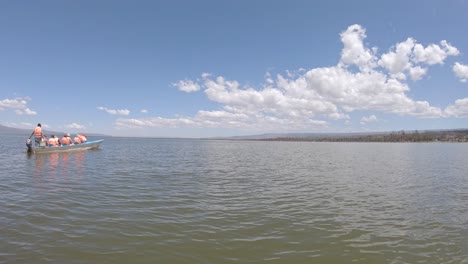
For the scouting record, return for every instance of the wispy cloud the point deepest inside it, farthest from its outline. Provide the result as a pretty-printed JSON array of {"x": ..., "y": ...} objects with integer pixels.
[
  {"x": 187, "y": 86},
  {"x": 368, "y": 119},
  {"x": 75, "y": 126},
  {"x": 19, "y": 105},
  {"x": 114, "y": 111},
  {"x": 143, "y": 111},
  {"x": 307, "y": 99}
]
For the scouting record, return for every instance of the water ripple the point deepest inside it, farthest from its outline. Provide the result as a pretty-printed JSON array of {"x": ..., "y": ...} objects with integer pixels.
[{"x": 194, "y": 201}]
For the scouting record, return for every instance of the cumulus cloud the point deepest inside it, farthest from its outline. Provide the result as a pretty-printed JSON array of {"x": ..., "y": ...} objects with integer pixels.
[
  {"x": 114, "y": 111},
  {"x": 307, "y": 99},
  {"x": 410, "y": 58},
  {"x": 461, "y": 71},
  {"x": 458, "y": 109},
  {"x": 19, "y": 105},
  {"x": 187, "y": 86},
  {"x": 417, "y": 73},
  {"x": 433, "y": 53},
  {"x": 398, "y": 60},
  {"x": 75, "y": 126},
  {"x": 354, "y": 51},
  {"x": 368, "y": 119}
]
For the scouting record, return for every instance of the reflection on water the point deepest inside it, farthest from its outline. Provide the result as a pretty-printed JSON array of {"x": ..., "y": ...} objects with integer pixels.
[
  {"x": 53, "y": 171},
  {"x": 65, "y": 159},
  {"x": 78, "y": 163}
]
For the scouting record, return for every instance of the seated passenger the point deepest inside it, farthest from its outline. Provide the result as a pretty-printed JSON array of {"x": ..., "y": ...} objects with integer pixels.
[
  {"x": 83, "y": 138},
  {"x": 43, "y": 142},
  {"x": 66, "y": 140},
  {"x": 57, "y": 140},
  {"x": 52, "y": 141},
  {"x": 77, "y": 139}
]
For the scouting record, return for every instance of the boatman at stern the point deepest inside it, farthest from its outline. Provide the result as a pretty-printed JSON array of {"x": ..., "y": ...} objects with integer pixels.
[{"x": 37, "y": 134}]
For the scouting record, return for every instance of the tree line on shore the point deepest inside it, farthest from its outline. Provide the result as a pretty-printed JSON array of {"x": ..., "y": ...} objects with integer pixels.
[{"x": 400, "y": 136}]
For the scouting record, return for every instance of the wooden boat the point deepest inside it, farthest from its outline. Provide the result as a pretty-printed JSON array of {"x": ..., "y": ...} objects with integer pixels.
[{"x": 74, "y": 147}]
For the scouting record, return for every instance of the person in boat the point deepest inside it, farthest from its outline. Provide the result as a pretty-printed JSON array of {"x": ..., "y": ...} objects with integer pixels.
[
  {"x": 83, "y": 138},
  {"x": 57, "y": 139},
  {"x": 37, "y": 134},
  {"x": 43, "y": 142},
  {"x": 77, "y": 139},
  {"x": 66, "y": 140},
  {"x": 53, "y": 141}
]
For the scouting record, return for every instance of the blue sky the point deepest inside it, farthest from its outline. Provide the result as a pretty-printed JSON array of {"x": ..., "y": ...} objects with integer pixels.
[{"x": 224, "y": 68}]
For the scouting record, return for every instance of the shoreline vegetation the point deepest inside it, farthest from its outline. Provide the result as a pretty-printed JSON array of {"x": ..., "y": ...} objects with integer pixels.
[{"x": 400, "y": 136}]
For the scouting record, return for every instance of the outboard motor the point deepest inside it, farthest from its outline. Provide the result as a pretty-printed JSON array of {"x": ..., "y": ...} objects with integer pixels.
[{"x": 29, "y": 145}]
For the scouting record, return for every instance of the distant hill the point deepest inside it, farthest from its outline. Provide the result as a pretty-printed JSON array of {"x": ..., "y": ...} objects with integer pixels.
[{"x": 4, "y": 130}]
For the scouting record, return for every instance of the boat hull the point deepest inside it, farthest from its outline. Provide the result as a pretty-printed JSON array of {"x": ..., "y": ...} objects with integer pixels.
[{"x": 75, "y": 147}]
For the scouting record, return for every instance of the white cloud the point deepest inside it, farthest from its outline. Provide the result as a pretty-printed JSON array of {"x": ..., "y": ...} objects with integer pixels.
[
  {"x": 368, "y": 119},
  {"x": 416, "y": 73},
  {"x": 399, "y": 60},
  {"x": 405, "y": 58},
  {"x": 28, "y": 111},
  {"x": 25, "y": 111},
  {"x": 223, "y": 119},
  {"x": 458, "y": 109},
  {"x": 75, "y": 126},
  {"x": 114, "y": 111},
  {"x": 154, "y": 122},
  {"x": 365, "y": 91},
  {"x": 19, "y": 105},
  {"x": 461, "y": 71},
  {"x": 268, "y": 79},
  {"x": 187, "y": 86},
  {"x": 306, "y": 99},
  {"x": 433, "y": 53},
  {"x": 13, "y": 103},
  {"x": 354, "y": 51},
  {"x": 144, "y": 111}
]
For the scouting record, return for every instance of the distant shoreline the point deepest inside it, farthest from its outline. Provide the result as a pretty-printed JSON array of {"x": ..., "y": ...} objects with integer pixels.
[
  {"x": 447, "y": 135},
  {"x": 402, "y": 136}
]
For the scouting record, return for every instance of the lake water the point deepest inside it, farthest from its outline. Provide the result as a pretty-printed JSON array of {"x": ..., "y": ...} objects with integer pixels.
[{"x": 202, "y": 201}]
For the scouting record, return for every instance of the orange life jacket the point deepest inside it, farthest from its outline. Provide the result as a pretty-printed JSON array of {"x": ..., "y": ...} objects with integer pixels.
[
  {"x": 77, "y": 140},
  {"x": 52, "y": 142},
  {"x": 82, "y": 139},
  {"x": 66, "y": 141},
  {"x": 38, "y": 132}
]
